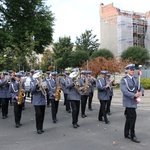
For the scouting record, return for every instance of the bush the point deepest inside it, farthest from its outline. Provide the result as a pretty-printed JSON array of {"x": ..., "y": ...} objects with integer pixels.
[{"x": 145, "y": 82}]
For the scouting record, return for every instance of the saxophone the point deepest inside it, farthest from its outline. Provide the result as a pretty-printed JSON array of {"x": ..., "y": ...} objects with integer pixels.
[
  {"x": 21, "y": 95},
  {"x": 58, "y": 91},
  {"x": 86, "y": 85}
]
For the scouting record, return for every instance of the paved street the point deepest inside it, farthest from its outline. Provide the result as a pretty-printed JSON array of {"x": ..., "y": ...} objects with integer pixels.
[{"x": 91, "y": 135}]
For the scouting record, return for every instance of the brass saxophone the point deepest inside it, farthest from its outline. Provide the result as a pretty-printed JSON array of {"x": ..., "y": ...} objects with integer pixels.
[
  {"x": 58, "y": 91},
  {"x": 21, "y": 94},
  {"x": 86, "y": 85}
]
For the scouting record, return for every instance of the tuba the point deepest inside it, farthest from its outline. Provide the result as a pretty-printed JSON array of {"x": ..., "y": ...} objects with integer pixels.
[
  {"x": 41, "y": 84},
  {"x": 75, "y": 76}
]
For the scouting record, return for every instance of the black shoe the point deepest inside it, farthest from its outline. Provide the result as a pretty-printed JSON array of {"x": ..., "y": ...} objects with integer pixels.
[
  {"x": 106, "y": 121},
  {"x": 101, "y": 119},
  {"x": 20, "y": 124},
  {"x": 17, "y": 125},
  {"x": 69, "y": 111},
  {"x": 83, "y": 116},
  {"x": 54, "y": 121},
  {"x": 42, "y": 130},
  {"x": 90, "y": 109},
  {"x": 4, "y": 117},
  {"x": 75, "y": 125},
  {"x": 78, "y": 125},
  {"x": 109, "y": 113},
  {"x": 135, "y": 139},
  {"x": 39, "y": 131},
  {"x": 127, "y": 136}
]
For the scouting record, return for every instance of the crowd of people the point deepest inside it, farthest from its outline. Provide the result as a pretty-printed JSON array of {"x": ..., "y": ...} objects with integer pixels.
[{"x": 78, "y": 89}]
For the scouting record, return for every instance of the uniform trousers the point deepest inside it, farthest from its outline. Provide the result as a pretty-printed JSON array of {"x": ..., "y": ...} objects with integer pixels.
[
  {"x": 90, "y": 100},
  {"x": 108, "y": 104},
  {"x": 102, "y": 110},
  {"x": 17, "y": 112},
  {"x": 67, "y": 102},
  {"x": 75, "y": 106},
  {"x": 39, "y": 116},
  {"x": 83, "y": 103},
  {"x": 54, "y": 108},
  {"x": 129, "y": 127},
  {"x": 5, "y": 103}
]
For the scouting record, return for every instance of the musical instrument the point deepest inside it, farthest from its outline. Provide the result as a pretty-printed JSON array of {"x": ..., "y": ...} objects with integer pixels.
[
  {"x": 41, "y": 84},
  {"x": 21, "y": 94},
  {"x": 75, "y": 76},
  {"x": 58, "y": 91},
  {"x": 86, "y": 85}
]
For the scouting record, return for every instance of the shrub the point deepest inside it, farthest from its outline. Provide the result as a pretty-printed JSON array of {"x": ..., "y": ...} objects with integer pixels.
[{"x": 145, "y": 82}]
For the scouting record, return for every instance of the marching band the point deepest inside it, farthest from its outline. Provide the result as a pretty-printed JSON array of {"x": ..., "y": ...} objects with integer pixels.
[{"x": 78, "y": 90}]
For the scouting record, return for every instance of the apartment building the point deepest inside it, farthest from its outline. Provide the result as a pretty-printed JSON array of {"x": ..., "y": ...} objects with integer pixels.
[{"x": 120, "y": 29}]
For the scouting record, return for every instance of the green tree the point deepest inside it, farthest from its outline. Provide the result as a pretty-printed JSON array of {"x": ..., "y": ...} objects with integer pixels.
[
  {"x": 102, "y": 53},
  {"x": 25, "y": 26},
  {"x": 77, "y": 58},
  {"x": 63, "y": 45},
  {"x": 136, "y": 54},
  {"x": 87, "y": 42},
  {"x": 62, "y": 50},
  {"x": 46, "y": 60}
]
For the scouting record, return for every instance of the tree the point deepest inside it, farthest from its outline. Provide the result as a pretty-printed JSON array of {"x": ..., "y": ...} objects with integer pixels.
[
  {"x": 87, "y": 42},
  {"x": 62, "y": 51},
  {"x": 100, "y": 63},
  {"x": 136, "y": 54},
  {"x": 62, "y": 46},
  {"x": 77, "y": 58},
  {"x": 102, "y": 53},
  {"x": 24, "y": 20},
  {"x": 47, "y": 61}
]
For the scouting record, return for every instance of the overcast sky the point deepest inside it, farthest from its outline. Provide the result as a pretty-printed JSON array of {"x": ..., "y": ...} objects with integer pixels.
[{"x": 73, "y": 17}]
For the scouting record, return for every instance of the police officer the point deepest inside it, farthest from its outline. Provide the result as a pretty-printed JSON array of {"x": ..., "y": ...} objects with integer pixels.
[
  {"x": 74, "y": 97},
  {"x": 4, "y": 93},
  {"x": 52, "y": 85},
  {"x": 14, "y": 89},
  {"x": 39, "y": 101},
  {"x": 64, "y": 82},
  {"x": 84, "y": 83},
  {"x": 47, "y": 78},
  {"x": 103, "y": 95},
  {"x": 110, "y": 92},
  {"x": 131, "y": 92},
  {"x": 91, "y": 80}
]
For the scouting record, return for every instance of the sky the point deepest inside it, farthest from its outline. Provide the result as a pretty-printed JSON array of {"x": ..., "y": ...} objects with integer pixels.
[{"x": 73, "y": 17}]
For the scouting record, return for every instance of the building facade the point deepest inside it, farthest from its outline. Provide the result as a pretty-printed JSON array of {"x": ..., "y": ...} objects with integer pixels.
[{"x": 120, "y": 29}]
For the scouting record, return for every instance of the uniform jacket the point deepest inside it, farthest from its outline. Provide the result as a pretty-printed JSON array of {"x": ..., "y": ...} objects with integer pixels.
[
  {"x": 129, "y": 88},
  {"x": 110, "y": 91},
  {"x": 51, "y": 86},
  {"x": 14, "y": 90},
  {"x": 92, "y": 83},
  {"x": 82, "y": 82},
  {"x": 38, "y": 97},
  {"x": 73, "y": 93},
  {"x": 4, "y": 89},
  {"x": 103, "y": 92},
  {"x": 65, "y": 82}
]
